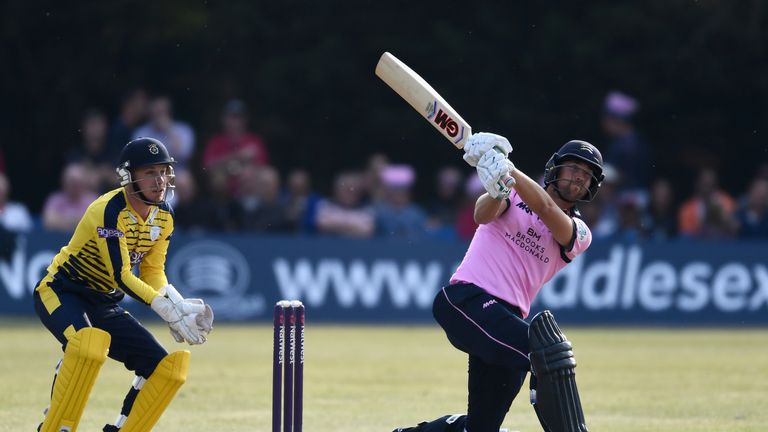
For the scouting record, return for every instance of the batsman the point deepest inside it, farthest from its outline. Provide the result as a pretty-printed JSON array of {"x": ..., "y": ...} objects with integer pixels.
[
  {"x": 78, "y": 298},
  {"x": 526, "y": 234}
]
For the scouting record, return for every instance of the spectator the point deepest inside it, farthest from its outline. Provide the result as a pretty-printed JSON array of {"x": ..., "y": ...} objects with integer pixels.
[
  {"x": 709, "y": 213},
  {"x": 177, "y": 136},
  {"x": 133, "y": 109},
  {"x": 603, "y": 211},
  {"x": 465, "y": 220},
  {"x": 346, "y": 214},
  {"x": 220, "y": 214},
  {"x": 376, "y": 163},
  {"x": 300, "y": 201},
  {"x": 396, "y": 215},
  {"x": 14, "y": 216},
  {"x": 93, "y": 155},
  {"x": 191, "y": 211},
  {"x": 762, "y": 171},
  {"x": 235, "y": 147},
  {"x": 629, "y": 211},
  {"x": 258, "y": 208},
  {"x": 625, "y": 149},
  {"x": 63, "y": 209},
  {"x": 659, "y": 221},
  {"x": 444, "y": 207},
  {"x": 752, "y": 217}
]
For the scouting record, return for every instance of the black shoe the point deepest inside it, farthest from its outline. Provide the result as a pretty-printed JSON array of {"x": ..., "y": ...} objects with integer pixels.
[
  {"x": 410, "y": 429},
  {"x": 448, "y": 423}
]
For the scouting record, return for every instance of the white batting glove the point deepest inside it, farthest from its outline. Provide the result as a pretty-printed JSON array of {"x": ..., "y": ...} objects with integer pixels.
[
  {"x": 478, "y": 144},
  {"x": 180, "y": 315},
  {"x": 492, "y": 168}
]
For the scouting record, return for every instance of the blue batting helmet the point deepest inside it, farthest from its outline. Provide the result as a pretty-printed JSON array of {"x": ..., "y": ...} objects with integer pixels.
[{"x": 577, "y": 150}]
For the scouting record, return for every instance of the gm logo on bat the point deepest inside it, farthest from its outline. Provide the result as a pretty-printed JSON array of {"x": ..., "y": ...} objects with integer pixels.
[{"x": 444, "y": 121}]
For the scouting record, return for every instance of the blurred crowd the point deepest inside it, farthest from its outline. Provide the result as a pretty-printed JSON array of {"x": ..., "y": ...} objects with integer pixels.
[{"x": 227, "y": 184}]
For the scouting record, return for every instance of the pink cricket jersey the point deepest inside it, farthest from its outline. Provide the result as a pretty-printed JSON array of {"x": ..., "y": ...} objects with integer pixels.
[{"x": 513, "y": 256}]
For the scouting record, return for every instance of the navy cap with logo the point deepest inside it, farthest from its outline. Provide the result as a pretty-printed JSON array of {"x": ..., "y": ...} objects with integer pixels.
[
  {"x": 144, "y": 151},
  {"x": 141, "y": 152}
]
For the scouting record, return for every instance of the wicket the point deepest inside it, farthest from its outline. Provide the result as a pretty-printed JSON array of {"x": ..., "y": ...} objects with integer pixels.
[{"x": 288, "y": 372}]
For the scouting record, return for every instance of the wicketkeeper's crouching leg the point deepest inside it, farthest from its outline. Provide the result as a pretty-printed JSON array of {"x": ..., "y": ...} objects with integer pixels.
[
  {"x": 153, "y": 395},
  {"x": 84, "y": 355},
  {"x": 554, "y": 395}
]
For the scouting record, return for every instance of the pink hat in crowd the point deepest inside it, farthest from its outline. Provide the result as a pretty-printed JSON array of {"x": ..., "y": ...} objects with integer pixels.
[
  {"x": 474, "y": 186},
  {"x": 398, "y": 176},
  {"x": 620, "y": 105}
]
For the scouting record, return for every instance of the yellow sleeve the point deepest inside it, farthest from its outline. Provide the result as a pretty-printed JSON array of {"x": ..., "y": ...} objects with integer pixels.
[
  {"x": 114, "y": 250},
  {"x": 152, "y": 268}
]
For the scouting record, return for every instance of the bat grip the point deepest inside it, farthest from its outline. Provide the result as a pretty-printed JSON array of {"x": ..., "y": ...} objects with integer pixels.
[{"x": 508, "y": 180}]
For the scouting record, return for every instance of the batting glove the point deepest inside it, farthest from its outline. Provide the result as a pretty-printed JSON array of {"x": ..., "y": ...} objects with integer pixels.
[
  {"x": 478, "y": 144},
  {"x": 493, "y": 168}
]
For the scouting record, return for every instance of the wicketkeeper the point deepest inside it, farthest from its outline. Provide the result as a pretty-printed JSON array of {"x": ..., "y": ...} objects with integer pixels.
[
  {"x": 77, "y": 300},
  {"x": 527, "y": 233}
]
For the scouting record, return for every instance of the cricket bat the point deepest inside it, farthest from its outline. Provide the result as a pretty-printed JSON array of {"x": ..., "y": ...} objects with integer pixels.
[{"x": 424, "y": 99}]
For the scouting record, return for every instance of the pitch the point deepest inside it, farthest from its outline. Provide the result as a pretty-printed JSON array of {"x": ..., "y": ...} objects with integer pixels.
[{"x": 374, "y": 378}]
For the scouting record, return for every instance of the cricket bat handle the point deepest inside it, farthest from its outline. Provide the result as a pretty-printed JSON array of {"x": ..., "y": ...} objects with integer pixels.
[{"x": 508, "y": 180}]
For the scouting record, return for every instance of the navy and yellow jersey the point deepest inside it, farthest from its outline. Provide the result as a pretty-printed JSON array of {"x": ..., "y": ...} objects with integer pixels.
[{"x": 110, "y": 240}]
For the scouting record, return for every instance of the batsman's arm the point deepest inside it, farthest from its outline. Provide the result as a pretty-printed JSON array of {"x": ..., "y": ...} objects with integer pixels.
[
  {"x": 488, "y": 208},
  {"x": 545, "y": 207}
]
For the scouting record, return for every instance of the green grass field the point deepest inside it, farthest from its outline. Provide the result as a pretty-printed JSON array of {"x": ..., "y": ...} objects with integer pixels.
[{"x": 361, "y": 378}]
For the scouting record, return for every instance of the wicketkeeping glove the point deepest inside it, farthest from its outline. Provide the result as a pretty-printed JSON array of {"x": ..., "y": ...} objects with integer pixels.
[
  {"x": 203, "y": 322},
  {"x": 180, "y": 315},
  {"x": 492, "y": 168},
  {"x": 478, "y": 144}
]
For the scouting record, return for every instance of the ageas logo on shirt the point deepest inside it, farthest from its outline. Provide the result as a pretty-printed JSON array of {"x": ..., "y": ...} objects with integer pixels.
[{"x": 109, "y": 232}]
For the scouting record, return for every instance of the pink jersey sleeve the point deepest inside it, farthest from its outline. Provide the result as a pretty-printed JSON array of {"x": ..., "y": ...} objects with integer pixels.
[{"x": 582, "y": 239}]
